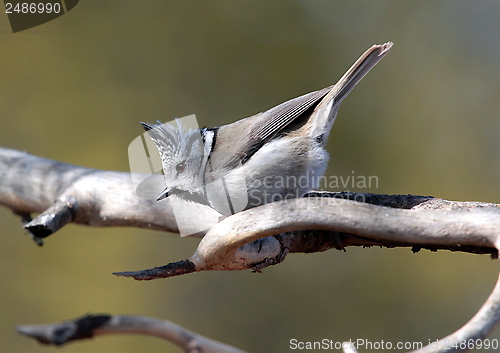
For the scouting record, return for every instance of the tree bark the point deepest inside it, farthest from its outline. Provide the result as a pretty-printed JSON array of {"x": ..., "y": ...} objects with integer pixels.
[{"x": 252, "y": 239}]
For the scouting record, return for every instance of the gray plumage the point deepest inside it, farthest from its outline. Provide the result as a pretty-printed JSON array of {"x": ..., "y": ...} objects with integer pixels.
[{"x": 273, "y": 155}]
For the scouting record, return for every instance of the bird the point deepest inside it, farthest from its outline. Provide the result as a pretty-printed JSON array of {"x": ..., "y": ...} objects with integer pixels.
[{"x": 271, "y": 156}]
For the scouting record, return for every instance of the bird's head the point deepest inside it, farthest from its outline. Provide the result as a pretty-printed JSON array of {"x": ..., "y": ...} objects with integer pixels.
[{"x": 183, "y": 156}]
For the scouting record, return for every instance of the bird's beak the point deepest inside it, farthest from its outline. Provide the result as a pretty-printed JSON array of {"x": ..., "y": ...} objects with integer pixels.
[{"x": 163, "y": 194}]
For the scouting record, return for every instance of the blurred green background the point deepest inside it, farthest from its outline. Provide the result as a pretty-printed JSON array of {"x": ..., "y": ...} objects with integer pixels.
[{"x": 424, "y": 121}]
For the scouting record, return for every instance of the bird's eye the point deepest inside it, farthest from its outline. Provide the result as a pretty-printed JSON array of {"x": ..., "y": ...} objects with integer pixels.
[{"x": 180, "y": 167}]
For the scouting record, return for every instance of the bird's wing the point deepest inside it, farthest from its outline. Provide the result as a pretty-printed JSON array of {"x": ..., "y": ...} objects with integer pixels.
[
  {"x": 273, "y": 121},
  {"x": 236, "y": 143}
]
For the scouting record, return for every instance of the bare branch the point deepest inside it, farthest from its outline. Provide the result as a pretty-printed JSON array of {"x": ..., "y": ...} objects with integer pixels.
[
  {"x": 30, "y": 184},
  {"x": 475, "y": 227},
  {"x": 51, "y": 220},
  {"x": 170, "y": 270},
  {"x": 226, "y": 246},
  {"x": 66, "y": 193},
  {"x": 94, "y": 325}
]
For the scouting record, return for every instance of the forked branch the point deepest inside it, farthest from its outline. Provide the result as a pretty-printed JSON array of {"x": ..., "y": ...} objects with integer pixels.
[
  {"x": 65, "y": 193},
  {"x": 227, "y": 246},
  {"x": 95, "y": 325},
  {"x": 479, "y": 327},
  {"x": 252, "y": 239}
]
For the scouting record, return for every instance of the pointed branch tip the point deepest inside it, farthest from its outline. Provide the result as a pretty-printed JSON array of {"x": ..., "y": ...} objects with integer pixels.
[{"x": 170, "y": 270}]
